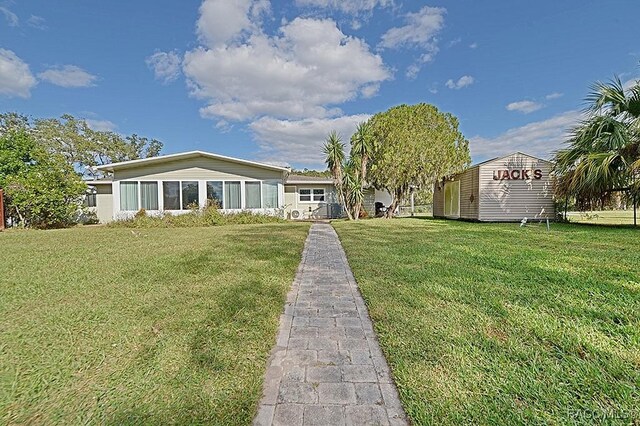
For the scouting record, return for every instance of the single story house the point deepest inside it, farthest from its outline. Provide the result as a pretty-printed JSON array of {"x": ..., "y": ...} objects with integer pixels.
[
  {"x": 503, "y": 189},
  {"x": 177, "y": 183}
]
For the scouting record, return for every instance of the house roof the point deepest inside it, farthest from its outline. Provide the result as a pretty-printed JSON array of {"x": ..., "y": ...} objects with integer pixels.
[
  {"x": 301, "y": 179},
  {"x": 185, "y": 155}
]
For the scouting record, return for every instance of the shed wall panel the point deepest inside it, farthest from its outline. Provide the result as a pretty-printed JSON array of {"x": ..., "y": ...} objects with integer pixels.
[
  {"x": 438, "y": 199},
  {"x": 515, "y": 199}
]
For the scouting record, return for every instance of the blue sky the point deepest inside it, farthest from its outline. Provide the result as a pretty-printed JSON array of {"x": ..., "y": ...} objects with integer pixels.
[{"x": 267, "y": 80}]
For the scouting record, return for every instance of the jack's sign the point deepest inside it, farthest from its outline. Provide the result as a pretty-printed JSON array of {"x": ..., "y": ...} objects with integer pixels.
[{"x": 517, "y": 174}]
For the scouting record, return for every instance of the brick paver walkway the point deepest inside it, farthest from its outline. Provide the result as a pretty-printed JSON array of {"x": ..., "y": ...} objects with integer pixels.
[{"x": 327, "y": 367}]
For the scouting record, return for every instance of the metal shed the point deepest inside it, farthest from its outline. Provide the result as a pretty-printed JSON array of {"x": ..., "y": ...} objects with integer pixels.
[{"x": 504, "y": 189}]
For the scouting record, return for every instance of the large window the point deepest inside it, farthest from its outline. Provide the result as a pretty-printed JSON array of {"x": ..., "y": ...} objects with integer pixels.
[
  {"x": 90, "y": 199},
  {"x": 171, "y": 195},
  {"x": 190, "y": 194},
  {"x": 149, "y": 195},
  {"x": 270, "y": 195},
  {"x": 309, "y": 195},
  {"x": 252, "y": 198},
  {"x": 129, "y": 196},
  {"x": 214, "y": 193},
  {"x": 232, "y": 198}
]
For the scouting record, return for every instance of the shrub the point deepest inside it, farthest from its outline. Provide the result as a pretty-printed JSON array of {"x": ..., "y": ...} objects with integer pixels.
[{"x": 208, "y": 216}]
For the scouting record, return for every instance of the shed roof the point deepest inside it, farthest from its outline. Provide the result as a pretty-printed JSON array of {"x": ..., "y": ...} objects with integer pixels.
[
  {"x": 185, "y": 155},
  {"x": 508, "y": 155}
]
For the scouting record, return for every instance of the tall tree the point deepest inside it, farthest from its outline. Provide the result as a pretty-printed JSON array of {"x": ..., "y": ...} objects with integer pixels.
[
  {"x": 415, "y": 145},
  {"x": 85, "y": 148},
  {"x": 334, "y": 151},
  {"x": 362, "y": 147},
  {"x": 42, "y": 190},
  {"x": 603, "y": 152}
]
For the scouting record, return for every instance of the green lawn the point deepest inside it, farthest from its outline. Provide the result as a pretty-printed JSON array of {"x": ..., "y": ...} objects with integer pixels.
[
  {"x": 153, "y": 326},
  {"x": 604, "y": 217},
  {"x": 497, "y": 324}
]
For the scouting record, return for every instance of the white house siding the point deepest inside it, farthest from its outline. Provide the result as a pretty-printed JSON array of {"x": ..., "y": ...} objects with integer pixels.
[
  {"x": 200, "y": 169},
  {"x": 330, "y": 208},
  {"x": 515, "y": 199},
  {"x": 104, "y": 203},
  {"x": 197, "y": 169}
]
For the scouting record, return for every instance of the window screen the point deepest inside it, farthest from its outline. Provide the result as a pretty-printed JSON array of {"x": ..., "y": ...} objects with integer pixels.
[
  {"x": 252, "y": 195},
  {"x": 128, "y": 196}
]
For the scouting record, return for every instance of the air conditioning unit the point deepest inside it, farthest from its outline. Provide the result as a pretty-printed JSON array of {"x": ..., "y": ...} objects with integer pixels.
[{"x": 297, "y": 214}]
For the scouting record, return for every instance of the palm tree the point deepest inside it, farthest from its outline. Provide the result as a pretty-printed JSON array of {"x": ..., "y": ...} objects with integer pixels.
[
  {"x": 604, "y": 150},
  {"x": 334, "y": 151},
  {"x": 362, "y": 146}
]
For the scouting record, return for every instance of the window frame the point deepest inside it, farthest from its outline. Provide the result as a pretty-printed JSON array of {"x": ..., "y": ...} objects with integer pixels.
[
  {"x": 140, "y": 183},
  {"x": 137, "y": 185},
  {"x": 206, "y": 195},
  {"x": 258, "y": 184},
  {"x": 314, "y": 195}
]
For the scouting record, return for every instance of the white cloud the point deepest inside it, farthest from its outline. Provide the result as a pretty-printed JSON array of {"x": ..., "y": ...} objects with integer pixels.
[
  {"x": 454, "y": 42},
  {"x": 101, "y": 125},
  {"x": 525, "y": 107},
  {"x": 222, "y": 21},
  {"x": 15, "y": 76},
  {"x": 412, "y": 71},
  {"x": 301, "y": 141},
  {"x": 554, "y": 95},
  {"x": 473, "y": 45},
  {"x": 420, "y": 29},
  {"x": 10, "y": 17},
  {"x": 37, "y": 22},
  {"x": 165, "y": 66},
  {"x": 630, "y": 83},
  {"x": 69, "y": 76},
  {"x": 540, "y": 138},
  {"x": 464, "y": 81},
  {"x": 300, "y": 73},
  {"x": 346, "y": 6}
]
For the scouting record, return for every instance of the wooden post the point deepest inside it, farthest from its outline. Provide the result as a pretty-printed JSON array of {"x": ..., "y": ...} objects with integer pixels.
[
  {"x": 635, "y": 211},
  {"x": 1, "y": 210}
]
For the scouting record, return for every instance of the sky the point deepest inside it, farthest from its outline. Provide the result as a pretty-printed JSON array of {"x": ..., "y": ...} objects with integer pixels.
[{"x": 268, "y": 80}]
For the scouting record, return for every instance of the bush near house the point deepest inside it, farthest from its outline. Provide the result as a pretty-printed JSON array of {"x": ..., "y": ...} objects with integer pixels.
[
  {"x": 209, "y": 216},
  {"x": 497, "y": 324}
]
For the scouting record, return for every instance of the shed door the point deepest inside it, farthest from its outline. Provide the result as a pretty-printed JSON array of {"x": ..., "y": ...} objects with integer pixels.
[{"x": 452, "y": 199}]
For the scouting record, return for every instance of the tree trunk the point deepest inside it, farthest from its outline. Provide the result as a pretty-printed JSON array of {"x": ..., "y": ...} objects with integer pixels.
[{"x": 391, "y": 209}]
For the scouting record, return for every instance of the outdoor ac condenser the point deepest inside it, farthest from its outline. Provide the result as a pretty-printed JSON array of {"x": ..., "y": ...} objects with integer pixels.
[{"x": 297, "y": 214}]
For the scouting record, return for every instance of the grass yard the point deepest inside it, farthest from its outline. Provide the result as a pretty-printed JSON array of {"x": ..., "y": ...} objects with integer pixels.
[
  {"x": 497, "y": 324},
  {"x": 153, "y": 326},
  {"x": 604, "y": 217}
]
